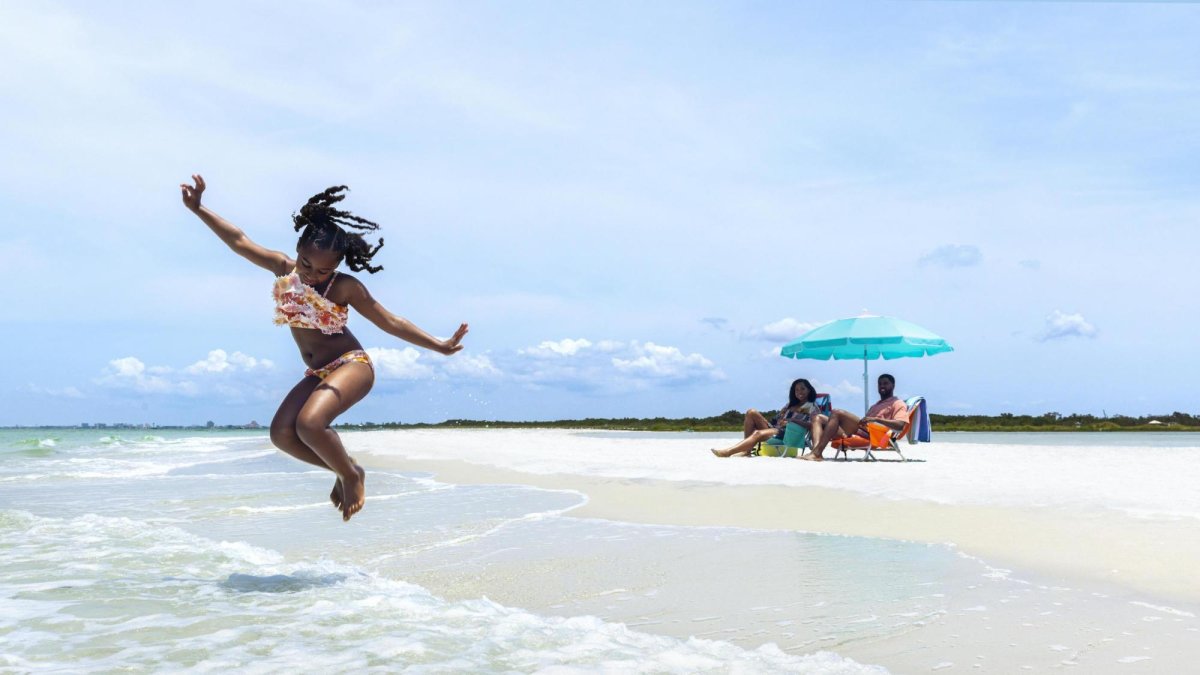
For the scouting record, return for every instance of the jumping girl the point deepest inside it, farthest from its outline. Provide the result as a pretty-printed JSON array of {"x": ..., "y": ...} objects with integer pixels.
[{"x": 312, "y": 298}]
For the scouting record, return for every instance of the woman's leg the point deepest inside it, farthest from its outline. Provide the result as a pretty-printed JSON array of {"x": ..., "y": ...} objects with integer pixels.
[
  {"x": 331, "y": 397},
  {"x": 753, "y": 422},
  {"x": 747, "y": 444},
  {"x": 819, "y": 424}
]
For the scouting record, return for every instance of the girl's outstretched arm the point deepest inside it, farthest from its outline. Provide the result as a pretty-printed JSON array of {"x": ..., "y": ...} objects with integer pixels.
[
  {"x": 276, "y": 261},
  {"x": 360, "y": 299}
]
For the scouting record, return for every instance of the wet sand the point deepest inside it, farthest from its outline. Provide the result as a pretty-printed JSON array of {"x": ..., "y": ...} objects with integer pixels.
[
  {"x": 1157, "y": 558},
  {"x": 1097, "y": 592}
]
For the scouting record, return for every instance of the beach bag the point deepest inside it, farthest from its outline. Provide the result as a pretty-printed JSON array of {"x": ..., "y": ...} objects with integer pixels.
[{"x": 795, "y": 437}]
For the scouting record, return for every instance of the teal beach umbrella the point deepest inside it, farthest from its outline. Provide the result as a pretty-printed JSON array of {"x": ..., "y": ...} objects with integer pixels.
[{"x": 866, "y": 338}]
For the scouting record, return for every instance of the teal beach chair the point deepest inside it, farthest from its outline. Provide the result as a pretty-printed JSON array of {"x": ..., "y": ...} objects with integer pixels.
[{"x": 796, "y": 441}]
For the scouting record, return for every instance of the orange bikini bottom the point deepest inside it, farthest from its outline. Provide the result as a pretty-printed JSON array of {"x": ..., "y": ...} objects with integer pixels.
[{"x": 356, "y": 356}]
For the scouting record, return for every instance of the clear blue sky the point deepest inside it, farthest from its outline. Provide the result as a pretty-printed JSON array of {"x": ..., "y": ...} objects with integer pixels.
[{"x": 633, "y": 204}]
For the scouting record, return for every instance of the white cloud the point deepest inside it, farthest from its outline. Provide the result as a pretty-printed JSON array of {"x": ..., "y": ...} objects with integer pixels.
[
  {"x": 1031, "y": 264},
  {"x": 65, "y": 392},
  {"x": 414, "y": 364},
  {"x": 564, "y": 347},
  {"x": 953, "y": 255},
  {"x": 399, "y": 364},
  {"x": 130, "y": 373},
  {"x": 129, "y": 366},
  {"x": 608, "y": 346},
  {"x": 472, "y": 365},
  {"x": 659, "y": 362},
  {"x": 220, "y": 362},
  {"x": 608, "y": 365},
  {"x": 841, "y": 392},
  {"x": 1062, "y": 325},
  {"x": 232, "y": 376},
  {"x": 782, "y": 330}
]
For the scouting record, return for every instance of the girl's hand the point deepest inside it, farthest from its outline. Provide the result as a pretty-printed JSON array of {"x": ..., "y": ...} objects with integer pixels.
[
  {"x": 452, "y": 344},
  {"x": 191, "y": 194}
]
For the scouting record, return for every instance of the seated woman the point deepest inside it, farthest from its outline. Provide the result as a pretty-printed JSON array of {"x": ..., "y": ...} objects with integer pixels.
[{"x": 800, "y": 409}]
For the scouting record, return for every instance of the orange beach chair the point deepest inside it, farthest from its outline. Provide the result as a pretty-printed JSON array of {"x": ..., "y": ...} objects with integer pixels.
[{"x": 882, "y": 439}]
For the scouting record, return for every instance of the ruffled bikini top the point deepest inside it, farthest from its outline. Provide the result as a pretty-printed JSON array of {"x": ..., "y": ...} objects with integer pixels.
[{"x": 300, "y": 306}]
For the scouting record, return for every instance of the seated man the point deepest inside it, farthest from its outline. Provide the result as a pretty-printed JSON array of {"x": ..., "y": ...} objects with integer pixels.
[{"x": 889, "y": 411}]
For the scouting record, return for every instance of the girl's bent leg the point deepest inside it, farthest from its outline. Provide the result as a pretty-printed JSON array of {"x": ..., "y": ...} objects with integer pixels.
[
  {"x": 341, "y": 389},
  {"x": 284, "y": 436},
  {"x": 283, "y": 425}
]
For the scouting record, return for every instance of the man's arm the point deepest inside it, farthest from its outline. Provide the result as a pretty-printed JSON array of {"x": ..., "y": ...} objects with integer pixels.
[
  {"x": 894, "y": 425},
  {"x": 897, "y": 417}
]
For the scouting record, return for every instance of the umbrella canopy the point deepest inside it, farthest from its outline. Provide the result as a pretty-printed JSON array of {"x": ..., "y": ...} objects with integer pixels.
[{"x": 866, "y": 338}]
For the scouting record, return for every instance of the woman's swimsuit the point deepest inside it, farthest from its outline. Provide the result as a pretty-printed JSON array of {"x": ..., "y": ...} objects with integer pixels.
[
  {"x": 298, "y": 305},
  {"x": 801, "y": 415}
]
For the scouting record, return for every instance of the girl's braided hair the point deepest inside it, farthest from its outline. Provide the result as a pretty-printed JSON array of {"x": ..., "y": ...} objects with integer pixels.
[{"x": 324, "y": 227}]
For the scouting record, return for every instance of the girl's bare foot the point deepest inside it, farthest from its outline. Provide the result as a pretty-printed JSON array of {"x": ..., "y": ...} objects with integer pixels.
[
  {"x": 336, "y": 495},
  {"x": 354, "y": 493}
]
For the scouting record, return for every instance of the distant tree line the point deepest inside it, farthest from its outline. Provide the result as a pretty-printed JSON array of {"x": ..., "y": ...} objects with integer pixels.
[
  {"x": 1053, "y": 421},
  {"x": 731, "y": 420},
  {"x": 727, "y": 421}
]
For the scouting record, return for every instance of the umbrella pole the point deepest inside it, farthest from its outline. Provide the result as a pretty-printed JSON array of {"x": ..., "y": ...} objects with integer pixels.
[{"x": 866, "y": 404}]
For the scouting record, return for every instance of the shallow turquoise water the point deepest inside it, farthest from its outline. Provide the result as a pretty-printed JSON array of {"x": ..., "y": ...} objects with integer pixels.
[{"x": 133, "y": 549}]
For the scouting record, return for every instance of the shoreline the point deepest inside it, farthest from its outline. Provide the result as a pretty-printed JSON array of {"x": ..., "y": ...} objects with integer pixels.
[
  {"x": 1142, "y": 556},
  {"x": 570, "y": 425}
]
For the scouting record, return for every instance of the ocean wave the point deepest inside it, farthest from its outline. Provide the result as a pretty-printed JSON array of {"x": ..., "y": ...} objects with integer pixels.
[
  {"x": 171, "y": 599},
  {"x": 30, "y": 447},
  {"x": 108, "y": 466}
]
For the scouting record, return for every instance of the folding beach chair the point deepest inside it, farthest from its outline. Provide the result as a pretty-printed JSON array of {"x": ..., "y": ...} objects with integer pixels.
[
  {"x": 796, "y": 440},
  {"x": 885, "y": 439}
]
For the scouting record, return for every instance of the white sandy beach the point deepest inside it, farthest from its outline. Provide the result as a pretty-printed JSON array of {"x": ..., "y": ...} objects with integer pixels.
[{"x": 1091, "y": 548}]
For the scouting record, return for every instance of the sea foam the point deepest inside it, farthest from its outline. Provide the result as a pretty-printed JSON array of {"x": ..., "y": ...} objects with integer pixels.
[{"x": 110, "y": 593}]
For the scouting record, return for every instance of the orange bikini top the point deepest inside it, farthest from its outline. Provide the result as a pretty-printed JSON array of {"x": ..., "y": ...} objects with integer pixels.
[{"x": 300, "y": 306}]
